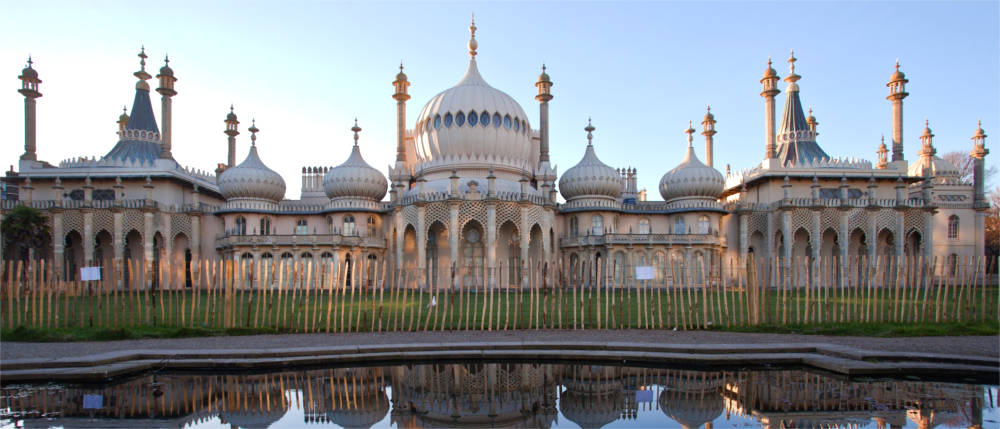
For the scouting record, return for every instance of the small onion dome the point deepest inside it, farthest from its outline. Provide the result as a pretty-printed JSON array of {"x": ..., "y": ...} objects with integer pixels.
[
  {"x": 544, "y": 77},
  {"x": 28, "y": 72},
  {"x": 231, "y": 116},
  {"x": 166, "y": 70},
  {"x": 252, "y": 180},
  {"x": 123, "y": 118},
  {"x": 355, "y": 179},
  {"x": 692, "y": 409},
  {"x": 897, "y": 75},
  {"x": 590, "y": 177},
  {"x": 770, "y": 72},
  {"x": 691, "y": 179}
]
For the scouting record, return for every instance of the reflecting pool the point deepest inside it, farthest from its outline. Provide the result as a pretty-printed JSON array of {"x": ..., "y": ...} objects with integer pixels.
[{"x": 502, "y": 395}]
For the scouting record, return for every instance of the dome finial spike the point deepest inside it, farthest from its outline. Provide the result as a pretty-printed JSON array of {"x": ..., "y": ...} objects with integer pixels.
[
  {"x": 473, "y": 45},
  {"x": 690, "y": 133},
  {"x": 356, "y": 130},
  {"x": 29, "y": 61},
  {"x": 400, "y": 66},
  {"x": 590, "y": 132},
  {"x": 791, "y": 61},
  {"x": 253, "y": 132}
]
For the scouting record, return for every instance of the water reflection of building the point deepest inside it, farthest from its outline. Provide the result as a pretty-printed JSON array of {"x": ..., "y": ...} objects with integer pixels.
[
  {"x": 782, "y": 399},
  {"x": 473, "y": 395},
  {"x": 352, "y": 398},
  {"x": 692, "y": 398},
  {"x": 502, "y": 395}
]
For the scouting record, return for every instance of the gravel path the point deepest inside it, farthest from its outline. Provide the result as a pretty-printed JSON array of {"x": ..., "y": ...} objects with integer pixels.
[{"x": 988, "y": 346}]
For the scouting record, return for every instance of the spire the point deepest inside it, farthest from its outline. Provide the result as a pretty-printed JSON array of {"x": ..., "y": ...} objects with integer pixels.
[
  {"x": 472, "y": 38},
  {"x": 253, "y": 132},
  {"x": 796, "y": 138},
  {"x": 142, "y": 74},
  {"x": 927, "y": 141},
  {"x": 690, "y": 133},
  {"x": 356, "y": 130},
  {"x": 590, "y": 133},
  {"x": 792, "y": 77}
]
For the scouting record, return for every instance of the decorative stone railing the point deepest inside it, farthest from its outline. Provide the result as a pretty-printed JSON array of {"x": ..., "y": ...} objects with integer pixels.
[
  {"x": 303, "y": 240},
  {"x": 638, "y": 239}
]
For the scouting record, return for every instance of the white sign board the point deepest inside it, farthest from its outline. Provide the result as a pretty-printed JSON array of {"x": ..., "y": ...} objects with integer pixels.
[
  {"x": 90, "y": 273},
  {"x": 644, "y": 273}
]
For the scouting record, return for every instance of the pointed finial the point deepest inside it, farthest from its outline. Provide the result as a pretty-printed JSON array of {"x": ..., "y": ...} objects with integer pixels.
[
  {"x": 590, "y": 132},
  {"x": 768, "y": 61},
  {"x": 472, "y": 40},
  {"x": 690, "y": 133},
  {"x": 791, "y": 61},
  {"x": 124, "y": 109},
  {"x": 897, "y": 64},
  {"x": 356, "y": 130},
  {"x": 230, "y": 107},
  {"x": 400, "y": 66},
  {"x": 166, "y": 59},
  {"x": 142, "y": 56},
  {"x": 253, "y": 132},
  {"x": 29, "y": 61}
]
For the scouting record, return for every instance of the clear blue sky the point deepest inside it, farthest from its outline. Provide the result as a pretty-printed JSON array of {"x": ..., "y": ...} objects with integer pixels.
[{"x": 641, "y": 70}]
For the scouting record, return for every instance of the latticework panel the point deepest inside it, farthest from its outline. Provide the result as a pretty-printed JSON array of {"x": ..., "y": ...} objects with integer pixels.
[
  {"x": 857, "y": 218},
  {"x": 103, "y": 220},
  {"x": 132, "y": 220},
  {"x": 180, "y": 223},
  {"x": 802, "y": 218},
  {"x": 73, "y": 221},
  {"x": 829, "y": 219},
  {"x": 437, "y": 212},
  {"x": 886, "y": 218},
  {"x": 471, "y": 210}
]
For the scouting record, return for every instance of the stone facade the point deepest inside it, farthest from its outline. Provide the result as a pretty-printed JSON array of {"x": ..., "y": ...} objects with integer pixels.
[{"x": 472, "y": 190}]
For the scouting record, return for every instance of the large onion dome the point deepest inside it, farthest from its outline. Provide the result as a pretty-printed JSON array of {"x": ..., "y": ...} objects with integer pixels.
[
  {"x": 252, "y": 179},
  {"x": 475, "y": 124},
  {"x": 691, "y": 178},
  {"x": 590, "y": 178},
  {"x": 355, "y": 178}
]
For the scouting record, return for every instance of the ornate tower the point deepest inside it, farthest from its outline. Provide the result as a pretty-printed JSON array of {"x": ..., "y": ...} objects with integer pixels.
[
  {"x": 166, "y": 91},
  {"x": 232, "y": 130},
  {"x": 883, "y": 155},
  {"x": 769, "y": 84},
  {"x": 897, "y": 92},
  {"x": 978, "y": 155},
  {"x": 812, "y": 122},
  {"x": 122, "y": 120},
  {"x": 401, "y": 95},
  {"x": 708, "y": 130},
  {"x": 544, "y": 85},
  {"x": 29, "y": 89}
]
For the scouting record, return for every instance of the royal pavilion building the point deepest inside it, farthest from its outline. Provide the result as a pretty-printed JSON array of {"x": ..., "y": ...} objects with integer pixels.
[{"x": 473, "y": 192}]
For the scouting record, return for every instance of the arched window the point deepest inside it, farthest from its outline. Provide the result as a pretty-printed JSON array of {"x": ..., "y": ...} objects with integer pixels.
[
  {"x": 484, "y": 118},
  {"x": 437, "y": 122},
  {"x": 460, "y": 119},
  {"x": 241, "y": 226},
  {"x": 349, "y": 225},
  {"x": 301, "y": 227},
  {"x": 517, "y": 124},
  {"x": 473, "y": 118},
  {"x": 952, "y": 264},
  {"x": 506, "y": 122},
  {"x": 349, "y": 268},
  {"x": 574, "y": 226},
  {"x": 953, "y": 227},
  {"x": 371, "y": 226},
  {"x": 703, "y": 224},
  {"x": 265, "y": 226},
  {"x": 597, "y": 225},
  {"x": 496, "y": 120},
  {"x": 287, "y": 255},
  {"x": 246, "y": 255},
  {"x": 307, "y": 255},
  {"x": 448, "y": 119},
  {"x": 644, "y": 226},
  {"x": 678, "y": 225}
]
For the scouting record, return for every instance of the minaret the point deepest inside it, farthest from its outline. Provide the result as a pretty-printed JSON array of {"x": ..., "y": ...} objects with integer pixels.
[
  {"x": 708, "y": 130},
  {"x": 166, "y": 91},
  {"x": 978, "y": 155},
  {"x": 544, "y": 85},
  {"x": 812, "y": 122},
  {"x": 401, "y": 95},
  {"x": 232, "y": 130},
  {"x": 122, "y": 120},
  {"x": 927, "y": 143},
  {"x": 770, "y": 89},
  {"x": 897, "y": 92},
  {"x": 883, "y": 155},
  {"x": 29, "y": 89}
]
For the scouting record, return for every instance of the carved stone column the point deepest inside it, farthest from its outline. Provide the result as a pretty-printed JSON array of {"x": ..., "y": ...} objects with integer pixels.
[
  {"x": 744, "y": 237},
  {"x": 88, "y": 237},
  {"x": 491, "y": 242},
  {"x": 118, "y": 236},
  {"x": 453, "y": 236}
]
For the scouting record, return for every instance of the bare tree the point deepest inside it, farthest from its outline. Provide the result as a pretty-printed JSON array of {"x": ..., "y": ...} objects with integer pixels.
[
  {"x": 992, "y": 232},
  {"x": 966, "y": 168}
]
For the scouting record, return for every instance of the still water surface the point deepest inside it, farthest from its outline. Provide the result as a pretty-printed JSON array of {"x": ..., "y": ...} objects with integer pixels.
[{"x": 503, "y": 395}]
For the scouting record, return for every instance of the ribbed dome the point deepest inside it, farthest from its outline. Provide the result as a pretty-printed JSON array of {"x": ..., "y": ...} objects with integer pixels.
[
  {"x": 252, "y": 180},
  {"x": 590, "y": 177},
  {"x": 933, "y": 166},
  {"x": 473, "y": 123},
  {"x": 355, "y": 179},
  {"x": 691, "y": 179}
]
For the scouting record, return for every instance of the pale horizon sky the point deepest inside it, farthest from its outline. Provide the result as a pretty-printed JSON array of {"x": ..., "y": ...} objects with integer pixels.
[{"x": 305, "y": 69}]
